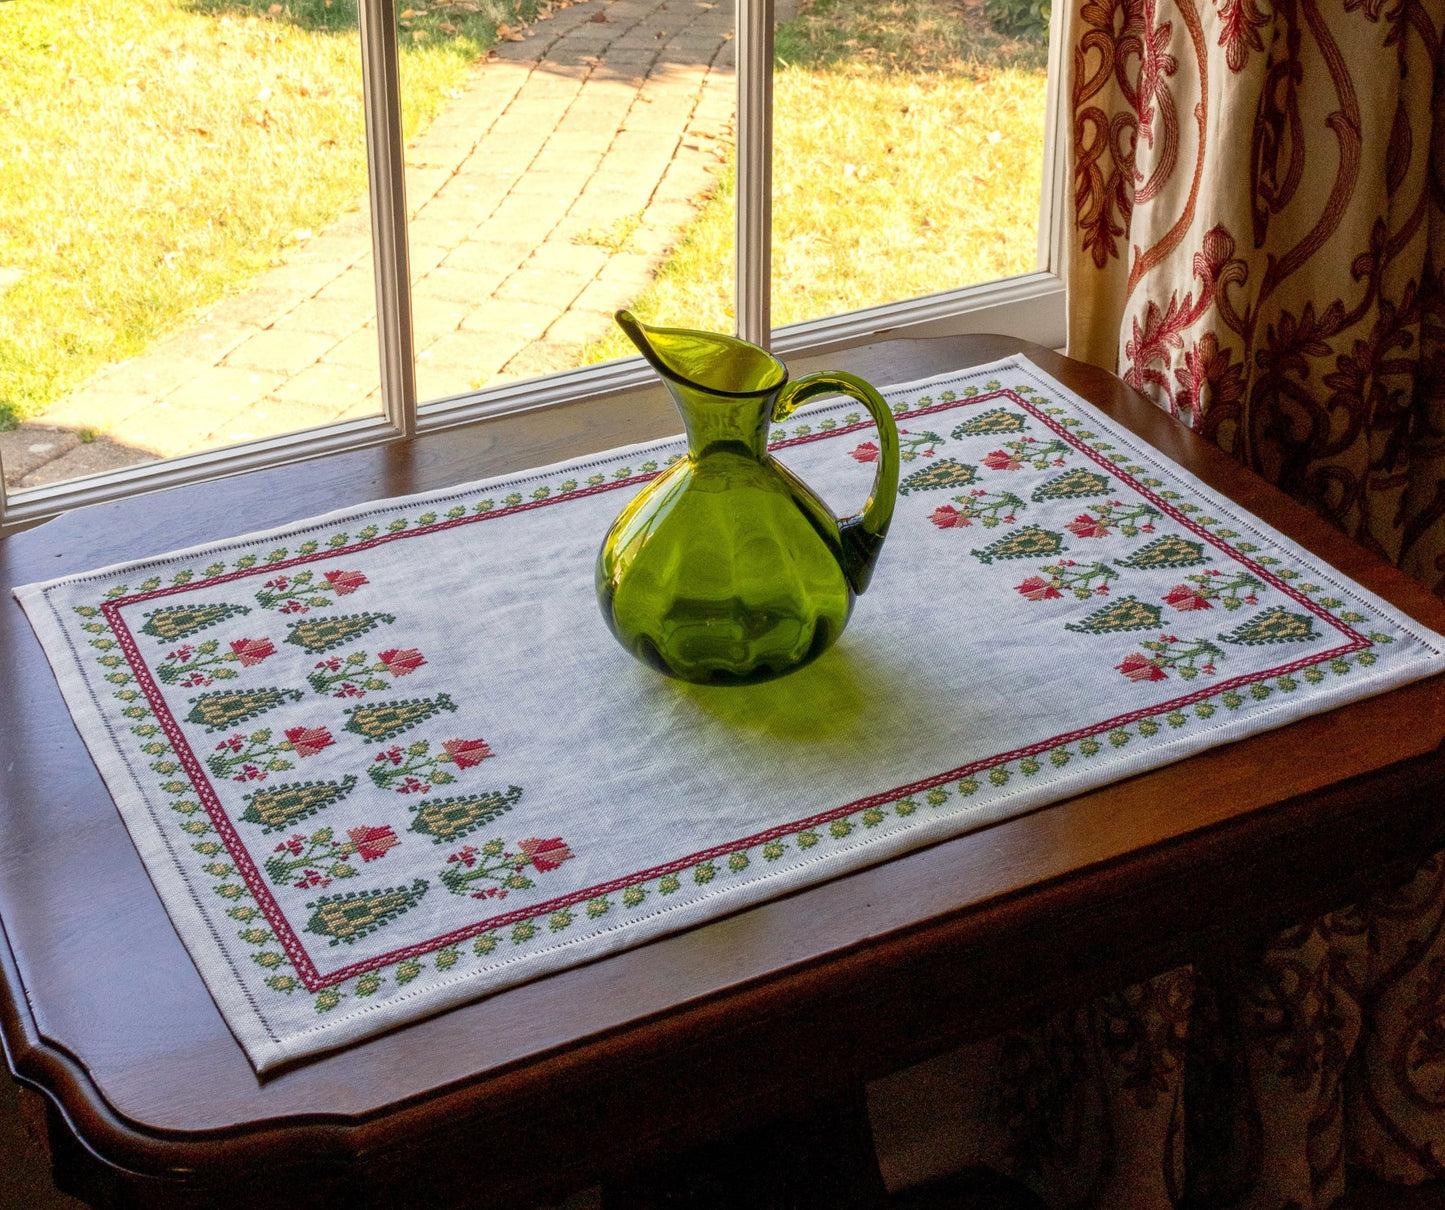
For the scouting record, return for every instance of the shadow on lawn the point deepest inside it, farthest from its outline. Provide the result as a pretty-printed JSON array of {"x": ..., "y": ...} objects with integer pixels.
[
  {"x": 471, "y": 24},
  {"x": 903, "y": 37}
]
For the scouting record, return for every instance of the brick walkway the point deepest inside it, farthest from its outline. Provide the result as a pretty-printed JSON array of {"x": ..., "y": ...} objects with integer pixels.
[{"x": 609, "y": 118}]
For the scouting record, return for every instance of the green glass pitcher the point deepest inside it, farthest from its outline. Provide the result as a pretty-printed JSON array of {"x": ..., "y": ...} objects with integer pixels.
[{"x": 727, "y": 568}]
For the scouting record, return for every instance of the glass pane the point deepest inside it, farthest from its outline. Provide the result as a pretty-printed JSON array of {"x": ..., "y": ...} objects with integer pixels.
[
  {"x": 185, "y": 258},
  {"x": 580, "y": 165},
  {"x": 908, "y": 143}
]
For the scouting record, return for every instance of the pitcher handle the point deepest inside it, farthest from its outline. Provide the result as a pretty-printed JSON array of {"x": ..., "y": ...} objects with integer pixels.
[{"x": 862, "y": 534}]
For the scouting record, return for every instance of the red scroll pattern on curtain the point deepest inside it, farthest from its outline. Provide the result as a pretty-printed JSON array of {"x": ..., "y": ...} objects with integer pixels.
[{"x": 1259, "y": 208}]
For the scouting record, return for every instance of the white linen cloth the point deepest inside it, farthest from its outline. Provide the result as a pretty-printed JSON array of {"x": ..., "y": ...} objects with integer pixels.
[{"x": 389, "y": 760}]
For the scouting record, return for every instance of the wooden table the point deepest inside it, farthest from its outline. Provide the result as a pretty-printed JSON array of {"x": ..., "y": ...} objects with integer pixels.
[{"x": 548, "y": 1086}]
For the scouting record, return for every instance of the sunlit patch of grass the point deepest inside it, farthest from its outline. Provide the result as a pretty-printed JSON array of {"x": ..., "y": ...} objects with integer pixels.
[
  {"x": 157, "y": 153},
  {"x": 908, "y": 159}
]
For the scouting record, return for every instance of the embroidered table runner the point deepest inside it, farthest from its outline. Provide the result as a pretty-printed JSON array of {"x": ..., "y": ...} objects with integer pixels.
[{"x": 389, "y": 760}]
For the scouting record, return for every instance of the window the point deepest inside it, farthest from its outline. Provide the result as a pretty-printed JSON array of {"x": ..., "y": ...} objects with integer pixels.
[{"x": 610, "y": 137}]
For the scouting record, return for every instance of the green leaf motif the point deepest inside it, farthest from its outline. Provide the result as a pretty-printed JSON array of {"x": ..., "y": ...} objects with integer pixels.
[
  {"x": 278, "y": 807},
  {"x": 384, "y": 720},
  {"x": 228, "y": 707},
  {"x": 317, "y": 635},
  {"x": 172, "y": 622},
  {"x": 349, "y": 917},
  {"x": 447, "y": 819}
]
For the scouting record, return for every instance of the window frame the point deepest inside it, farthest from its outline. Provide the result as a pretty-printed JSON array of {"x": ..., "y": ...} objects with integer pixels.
[{"x": 1031, "y": 305}]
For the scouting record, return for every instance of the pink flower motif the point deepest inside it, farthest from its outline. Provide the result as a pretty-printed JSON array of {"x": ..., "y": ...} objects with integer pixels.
[
  {"x": 467, "y": 856},
  {"x": 249, "y": 773},
  {"x": 412, "y": 785},
  {"x": 1181, "y": 596},
  {"x": 1102, "y": 590},
  {"x": 181, "y": 654},
  {"x": 345, "y": 582},
  {"x": 349, "y": 690},
  {"x": 392, "y": 754},
  {"x": 945, "y": 516},
  {"x": 399, "y": 662},
  {"x": 1036, "y": 588},
  {"x": 547, "y": 854},
  {"x": 252, "y": 651},
  {"x": 372, "y": 843},
  {"x": 468, "y": 753},
  {"x": 867, "y": 452},
  {"x": 333, "y": 664},
  {"x": 279, "y": 583},
  {"x": 195, "y": 680},
  {"x": 235, "y": 743},
  {"x": 294, "y": 607},
  {"x": 308, "y": 741},
  {"x": 1001, "y": 460},
  {"x": 312, "y": 878},
  {"x": 1084, "y": 526},
  {"x": 1139, "y": 667}
]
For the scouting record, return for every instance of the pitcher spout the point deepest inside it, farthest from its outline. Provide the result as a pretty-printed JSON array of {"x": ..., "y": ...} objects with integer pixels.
[
  {"x": 723, "y": 386},
  {"x": 705, "y": 361}
]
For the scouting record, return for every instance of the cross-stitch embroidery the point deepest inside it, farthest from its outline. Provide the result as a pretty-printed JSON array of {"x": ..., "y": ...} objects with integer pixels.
[
  {"x": 385, "y": 720},
  {"x": 319, "y": 858},
  {"x": 1083, "y": 580},
  {"x": 172, "y": 622},
  {"x": 278, "y": 807},
  {"x": 1124, "y": 614},
  {"x": 494, "y": 863},
  {"x": 318, "y": 635},
  {"x": 351, "y": 916},
  {"x": 354, "y": 676},
  {"x": 1274, "y": 625},
  {"x": 943, "y": 473},
  {"x": 1200, "y": 591},
  {"x": 448, "y": 819},
  {"x": 227, "y": 707},
  {"x": 193, "y": 667},
  {"x": 1170, "y": 653},
  {"x": 1027, "y": 543},
  {"x": 303, "y": 592},
  {"x": 252, "y": 757},
  {"x": 415, "y": 769}
]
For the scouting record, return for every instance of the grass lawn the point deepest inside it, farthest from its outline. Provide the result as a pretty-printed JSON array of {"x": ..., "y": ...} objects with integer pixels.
[
  {"x": 908, "y": 158},
  {"x": 155, "y": 153}
]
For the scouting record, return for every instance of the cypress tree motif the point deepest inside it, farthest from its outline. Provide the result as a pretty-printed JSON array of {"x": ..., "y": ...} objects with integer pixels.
[
  {"x": 172, "y": 622},
  {"x": 1169, "y": 551},
  {"x": 382, "y": 720},
  {"x": 447, "y": 819},
  {"x": 1124, "y": 614},
  {"x": 1274, "y": 625},
  {"x": 278, "y": 807},
  {"x": 322, "y": 634},
  {"x": 943, "y": 473},
  {"x": 351, "y": 916},
  {"x": 227, "y": 707},
  {"x": 1027, "y": 543},
  {"x": 999, "y": 420},
  {"x": 1072, "y": 485}
]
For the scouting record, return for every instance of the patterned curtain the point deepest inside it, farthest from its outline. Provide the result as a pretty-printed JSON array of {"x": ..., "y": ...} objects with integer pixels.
[
  {"x": 1259, "y": 247},
  {"x": 1259, "y": 209},
  {"x": 1251, "y": 1085}
]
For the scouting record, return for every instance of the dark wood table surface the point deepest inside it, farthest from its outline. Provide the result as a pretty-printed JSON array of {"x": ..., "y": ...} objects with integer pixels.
[{"x": 587, "y": 1073}]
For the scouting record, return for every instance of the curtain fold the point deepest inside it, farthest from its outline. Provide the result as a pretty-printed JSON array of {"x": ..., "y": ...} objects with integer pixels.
[{"x": 1258, "y": 219}]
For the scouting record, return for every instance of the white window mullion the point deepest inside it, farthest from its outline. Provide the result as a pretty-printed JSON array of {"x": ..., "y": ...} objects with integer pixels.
[
  {"x": 386, "y": 169},
  {"x": 754, "y": 217}
]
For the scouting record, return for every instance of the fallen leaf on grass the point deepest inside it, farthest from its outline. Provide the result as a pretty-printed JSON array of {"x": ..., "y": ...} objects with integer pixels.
[{"x": 447, "y": 27}]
